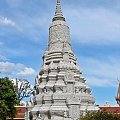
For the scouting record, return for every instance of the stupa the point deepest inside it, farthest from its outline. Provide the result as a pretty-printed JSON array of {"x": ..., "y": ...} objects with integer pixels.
[
  {"x": 61, "y": 93},
  {"x": 118, "y": 95}
]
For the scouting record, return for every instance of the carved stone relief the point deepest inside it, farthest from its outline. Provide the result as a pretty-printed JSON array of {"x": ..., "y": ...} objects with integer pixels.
[
  {"x": 69, "y": 76},
  {"x": 70, "y": 88},
  {"x": 74, "y": 112}
]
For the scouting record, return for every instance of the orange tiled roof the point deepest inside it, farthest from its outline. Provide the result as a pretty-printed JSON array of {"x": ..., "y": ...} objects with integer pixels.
[
  {"x": 110, "y": 109},
  {"x": 20, "y": 113}
]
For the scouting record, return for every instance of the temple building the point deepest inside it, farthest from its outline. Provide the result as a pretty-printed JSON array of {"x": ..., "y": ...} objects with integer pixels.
[
  {"x": 61, "y": 93},
  {"x": 20, "y": 113}
]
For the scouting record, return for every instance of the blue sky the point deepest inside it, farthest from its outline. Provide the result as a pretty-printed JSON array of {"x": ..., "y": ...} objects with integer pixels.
[{"x": 95, "y": 37}]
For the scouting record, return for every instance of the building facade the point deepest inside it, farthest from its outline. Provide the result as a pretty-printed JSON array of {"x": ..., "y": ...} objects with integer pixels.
[
  {"x": 110, "y": 109},
  {"x": 61, "y": 93},
  {"x": 20, "y": 113}
]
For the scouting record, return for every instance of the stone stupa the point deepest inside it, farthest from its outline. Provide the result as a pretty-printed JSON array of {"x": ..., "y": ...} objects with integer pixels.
[
  {"x": 61, "y": 93},
  {"x": 118, "y": 95}
]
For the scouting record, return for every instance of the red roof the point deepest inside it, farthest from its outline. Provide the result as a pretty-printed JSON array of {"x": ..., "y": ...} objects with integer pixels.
[
  {"x": 110, "y": 109},
  {"x": 20, "y": 113}
]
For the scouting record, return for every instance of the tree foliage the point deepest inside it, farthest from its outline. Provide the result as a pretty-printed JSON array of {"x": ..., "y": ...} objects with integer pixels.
[
  {"x": 8, "y": 99},
  {"x": 100, "y": 116}
]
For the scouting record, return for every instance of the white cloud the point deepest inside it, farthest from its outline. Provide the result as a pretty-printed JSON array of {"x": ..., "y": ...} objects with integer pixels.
[
  {"x": 98, "y": 25},
  {"x": 26, "y": 72},
  {"x": 16, "y": 70},
  {"x": 102, "y": 73},
  {"x": 7, "y": 22},
  {"x": 3, "y": 58}
]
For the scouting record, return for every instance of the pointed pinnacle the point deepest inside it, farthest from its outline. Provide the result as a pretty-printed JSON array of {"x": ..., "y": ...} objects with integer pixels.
[
  {"x": 58, "y": 12},
  {"x": 58, "y": 8},
  {"x": 58, "y": 1}
]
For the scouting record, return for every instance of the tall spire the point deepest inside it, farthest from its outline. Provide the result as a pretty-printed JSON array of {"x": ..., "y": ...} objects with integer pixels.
[
  {"x": 58, "y": 12},
  {"x": 60, "y": 91},
  {"x": 118, "y": 95}
]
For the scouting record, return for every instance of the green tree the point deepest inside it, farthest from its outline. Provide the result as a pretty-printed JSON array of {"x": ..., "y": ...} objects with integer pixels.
[
  {"x": 8, "y": 99},
  {"x": 100, "y": 115}
]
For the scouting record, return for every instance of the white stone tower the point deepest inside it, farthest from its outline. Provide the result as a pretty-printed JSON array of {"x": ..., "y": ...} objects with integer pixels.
[{"x": 60, "y": 91}]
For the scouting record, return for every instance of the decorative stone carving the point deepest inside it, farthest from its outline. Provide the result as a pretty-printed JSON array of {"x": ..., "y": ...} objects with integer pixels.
[
  {"x": 66, "y": 57},
  {"x": 77, "y": 90},
  {"x": 65, "y": 114},
  {"x": 45, "y": 90},
  {"x": 39, "y": 117},
  {"x": 74, "y": 112},
  {"x": 69, "y": 76},
  {"x": 59, "y": 89}
]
